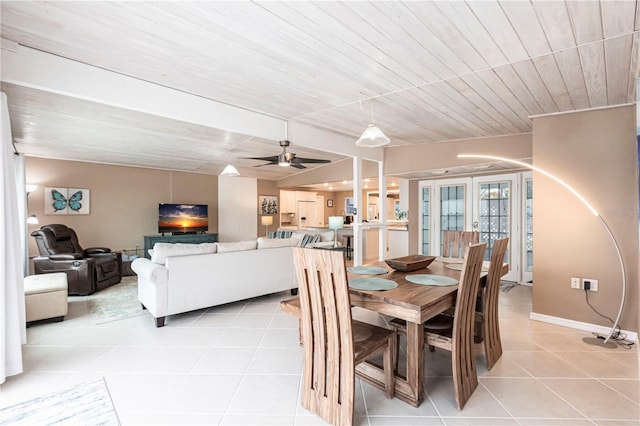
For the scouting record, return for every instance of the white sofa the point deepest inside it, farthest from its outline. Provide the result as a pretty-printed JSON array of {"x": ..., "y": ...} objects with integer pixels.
[{"x": 186, "y": 277}]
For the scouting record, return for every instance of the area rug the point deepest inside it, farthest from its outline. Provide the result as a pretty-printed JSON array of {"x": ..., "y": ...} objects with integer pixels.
[
  {"x": 84, "y": 404},
  {"x": 506, "y": 285},
  {"x": 117, "y": 302}
]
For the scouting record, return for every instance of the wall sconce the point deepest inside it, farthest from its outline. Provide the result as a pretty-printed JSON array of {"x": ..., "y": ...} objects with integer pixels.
[
  {"x": 33, "y": 220},
  {"x": 266, "y": 221}
]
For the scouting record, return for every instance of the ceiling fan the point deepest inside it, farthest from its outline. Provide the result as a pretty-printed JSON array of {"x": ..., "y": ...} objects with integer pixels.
[{"x": 286, "y": 159}]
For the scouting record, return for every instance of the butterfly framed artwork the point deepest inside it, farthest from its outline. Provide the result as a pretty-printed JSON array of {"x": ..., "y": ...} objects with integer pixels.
[{"x": 58, "y": 201}]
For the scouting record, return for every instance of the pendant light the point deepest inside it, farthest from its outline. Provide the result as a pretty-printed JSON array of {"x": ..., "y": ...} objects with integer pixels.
[
  {"x": 372, "y": 137},
  {"x": 230, "y": 170}
]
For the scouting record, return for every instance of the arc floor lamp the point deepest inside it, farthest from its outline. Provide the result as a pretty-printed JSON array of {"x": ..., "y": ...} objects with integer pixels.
[{"x": 591, "y": 209}]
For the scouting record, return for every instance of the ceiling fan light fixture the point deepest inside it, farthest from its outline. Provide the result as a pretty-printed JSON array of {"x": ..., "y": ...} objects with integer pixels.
[
  {"x": 284, "y": 160},
  {"x": 372, "y": 137},
  {"x": 230, "y": 170}
]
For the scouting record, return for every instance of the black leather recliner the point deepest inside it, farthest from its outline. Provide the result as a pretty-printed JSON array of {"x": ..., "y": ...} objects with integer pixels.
[{"x": 87, "y": 270}]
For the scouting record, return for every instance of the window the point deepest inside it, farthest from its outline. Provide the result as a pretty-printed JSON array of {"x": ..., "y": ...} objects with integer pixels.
[{"x": 349, "y": 207}]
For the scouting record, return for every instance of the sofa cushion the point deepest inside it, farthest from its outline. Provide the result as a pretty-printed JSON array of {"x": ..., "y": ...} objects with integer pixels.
[
  {"x": 237, "y": 246},
  {"x": 280, "y": 233},
  {"x": 264, "y": 243},
  {"x": 327, "y": 236},
  {"x": 163, "y": 250}
]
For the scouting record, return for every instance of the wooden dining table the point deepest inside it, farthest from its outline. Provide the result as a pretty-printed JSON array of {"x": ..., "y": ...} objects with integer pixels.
[{"x": 414, "y": 303}]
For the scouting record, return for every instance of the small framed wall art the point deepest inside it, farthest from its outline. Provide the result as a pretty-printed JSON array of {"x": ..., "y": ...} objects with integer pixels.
[
  {"x": 329, "y": 202},
  {"x": 268, "y": 204},
  {"x": 66, "y": 201}
]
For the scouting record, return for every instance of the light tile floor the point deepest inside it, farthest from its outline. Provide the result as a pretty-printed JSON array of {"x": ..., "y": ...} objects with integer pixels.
[{"x": 240, "y": 364}]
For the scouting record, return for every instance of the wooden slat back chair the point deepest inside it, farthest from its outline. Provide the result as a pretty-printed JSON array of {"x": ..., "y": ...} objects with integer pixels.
[
  {"x": 489, "y": 316},
  {"x": 333, "y": 343},
  {"x": 459, "y": 339},
  {"x": 456, "y": 243}
]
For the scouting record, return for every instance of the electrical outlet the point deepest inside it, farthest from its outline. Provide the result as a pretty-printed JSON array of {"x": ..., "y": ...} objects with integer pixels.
[
  {"x": 593, "y": 284},
  {"x": 575, "y": 283}
]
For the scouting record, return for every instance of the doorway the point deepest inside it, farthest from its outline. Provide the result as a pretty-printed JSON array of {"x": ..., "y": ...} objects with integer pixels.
[{"x": 497, "y": 206}]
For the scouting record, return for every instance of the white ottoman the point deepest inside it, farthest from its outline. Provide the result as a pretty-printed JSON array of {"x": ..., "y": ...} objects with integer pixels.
[{"x": 45, "y": 296}]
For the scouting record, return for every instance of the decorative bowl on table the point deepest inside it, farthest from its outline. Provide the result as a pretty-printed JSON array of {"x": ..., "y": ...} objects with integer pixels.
[{"x": 410, "y": 263}]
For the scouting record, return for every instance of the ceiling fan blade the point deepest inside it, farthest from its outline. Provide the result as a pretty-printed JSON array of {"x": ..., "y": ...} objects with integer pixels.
[
  {"x": 273, "y": 158},
  {"x": 310, "y": 160},
  {"x": 287, "y": 157}
]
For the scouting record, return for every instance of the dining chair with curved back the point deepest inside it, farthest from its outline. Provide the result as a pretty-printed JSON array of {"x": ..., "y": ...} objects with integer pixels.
[
  {"x": 459, "y": 339},
  {"x": 455, "y": 243},
  {"x": 488, "y": 317},
  {"x": 333, "y": 343}
]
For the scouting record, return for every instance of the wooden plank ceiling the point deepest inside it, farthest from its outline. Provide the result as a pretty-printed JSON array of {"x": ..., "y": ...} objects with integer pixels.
[{"x": 423, "y": 71}]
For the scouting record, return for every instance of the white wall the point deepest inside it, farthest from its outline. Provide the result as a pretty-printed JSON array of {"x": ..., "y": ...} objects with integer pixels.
[{"x": 237, "y": 208}]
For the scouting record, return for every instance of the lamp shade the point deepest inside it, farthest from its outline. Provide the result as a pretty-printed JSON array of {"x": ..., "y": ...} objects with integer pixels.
[
  {"x": 336, "y": 222},
  {"x": 266, "y": 220},
  {"x": 230, "y": 170},
  {"x": 372, "y": 137},
  {"x": 32, "y": 220}
]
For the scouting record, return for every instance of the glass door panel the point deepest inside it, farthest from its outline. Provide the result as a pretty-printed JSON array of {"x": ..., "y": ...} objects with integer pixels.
[
  {"x": 493, "y": 214},
  {"x": 452, "y": 209},
  {"x": 527, "y": 249},
  {"x": 426, "y": 220}
]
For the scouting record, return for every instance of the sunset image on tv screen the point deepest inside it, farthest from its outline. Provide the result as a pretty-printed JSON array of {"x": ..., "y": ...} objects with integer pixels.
[{"x": 183, "y": 217}]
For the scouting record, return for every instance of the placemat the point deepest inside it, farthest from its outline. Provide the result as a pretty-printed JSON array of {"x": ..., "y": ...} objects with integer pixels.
[
  {"x": 458, "y": 267},
  {"x": 449, "y": 260},
  {"x": 367, "y": 270},
  {"x": 428, "y": 279},
  {"x": 372, "y": 283}
]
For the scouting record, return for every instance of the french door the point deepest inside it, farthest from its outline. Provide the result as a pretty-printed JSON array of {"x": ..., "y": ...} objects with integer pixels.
[
  {"x": 491, "y": 205},
  {"x": 527, "y": 228}
]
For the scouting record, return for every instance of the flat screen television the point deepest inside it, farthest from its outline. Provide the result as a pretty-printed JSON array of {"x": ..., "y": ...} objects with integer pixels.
[{"x": 183, "y": 218}]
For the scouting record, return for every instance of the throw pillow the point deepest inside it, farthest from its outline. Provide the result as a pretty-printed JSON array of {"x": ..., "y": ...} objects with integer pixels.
[
  {"x": 283, "y": 233},
  {"x": 237, "y": 246},
  {"x": 308, "y": 239},
  {"x": 264, "y": 243}
]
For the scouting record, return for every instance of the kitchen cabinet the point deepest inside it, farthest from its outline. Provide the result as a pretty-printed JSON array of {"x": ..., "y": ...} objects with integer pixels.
[
  {"x": 287, "y": 201},
  {"x": 305, "y": 196}
]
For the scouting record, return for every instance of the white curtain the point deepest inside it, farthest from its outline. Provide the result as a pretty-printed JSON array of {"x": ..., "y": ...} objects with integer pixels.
[{"x": 12, "y": 234}]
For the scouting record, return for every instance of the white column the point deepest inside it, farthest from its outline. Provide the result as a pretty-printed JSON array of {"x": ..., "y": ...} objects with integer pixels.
[
  {"x": 357, "y": 217},
  {"x": 382, "y": 209}
]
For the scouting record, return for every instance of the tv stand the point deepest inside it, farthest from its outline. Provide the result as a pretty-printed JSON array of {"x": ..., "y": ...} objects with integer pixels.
[{"x": 150, "y": 240}]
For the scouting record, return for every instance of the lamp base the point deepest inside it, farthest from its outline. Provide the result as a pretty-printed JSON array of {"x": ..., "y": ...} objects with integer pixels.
[{"x": 599, "y": 341}]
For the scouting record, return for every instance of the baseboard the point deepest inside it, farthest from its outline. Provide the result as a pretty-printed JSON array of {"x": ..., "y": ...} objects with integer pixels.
[{"x": 631, "y": 335}]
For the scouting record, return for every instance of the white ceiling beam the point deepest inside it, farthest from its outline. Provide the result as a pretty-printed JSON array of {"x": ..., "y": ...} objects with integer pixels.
[
  {"x": 35, "y": 69},
  {"x": 43, "y": 71},
  {"x": 315, "y": 138}
]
